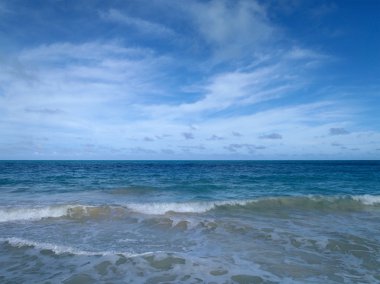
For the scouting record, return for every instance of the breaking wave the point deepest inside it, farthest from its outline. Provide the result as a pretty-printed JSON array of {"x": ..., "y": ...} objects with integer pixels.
[
  {"x": 32, "y": 213},
  {"x": 61, "y": 249},
  {"x": 183, "y": 207},
  {"x": 334, "y": 203},
  {"x": 56, "y": 211},
  {"x": 359, "y": 202}
]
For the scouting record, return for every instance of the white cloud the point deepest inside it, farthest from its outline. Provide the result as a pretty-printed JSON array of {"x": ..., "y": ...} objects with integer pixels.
[
  {"x": 85, "y": 82},
  {"x": 64, "y": 51},
  {"x": 107, "y": 99},
  {"x": 238, "y": 88},
  {"x": 234, "y": 29},
  {"x": 141, "y": 25},
  {"x": 94, "y": 95},
  {"x": 302, "y": 53}
]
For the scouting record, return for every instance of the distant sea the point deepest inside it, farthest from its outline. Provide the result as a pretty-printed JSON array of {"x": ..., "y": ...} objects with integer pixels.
[{"x": 190, "y": 222}]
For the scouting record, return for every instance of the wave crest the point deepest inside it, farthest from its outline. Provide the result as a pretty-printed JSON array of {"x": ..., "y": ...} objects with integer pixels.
[
  {"x": 182, "y": 207},
  {"x": 56, "y": 211},
  {"x": 62, "y": 249},
  {"x": 265, "y": 204},
  {"x": 345, "y": 203},
  {"x": 57, "y": 249},
  {"x": 32, "y": 213}
]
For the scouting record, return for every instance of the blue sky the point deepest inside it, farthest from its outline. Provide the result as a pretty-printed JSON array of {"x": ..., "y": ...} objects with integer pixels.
[{"x": 165, "y": 79}]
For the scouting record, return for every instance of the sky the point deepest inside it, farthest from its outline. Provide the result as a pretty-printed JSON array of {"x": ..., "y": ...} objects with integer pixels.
[{"x": 169, "y": 80}]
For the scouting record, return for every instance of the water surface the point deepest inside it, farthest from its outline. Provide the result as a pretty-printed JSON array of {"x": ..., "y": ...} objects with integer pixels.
[{"x": 190, "y": 221}]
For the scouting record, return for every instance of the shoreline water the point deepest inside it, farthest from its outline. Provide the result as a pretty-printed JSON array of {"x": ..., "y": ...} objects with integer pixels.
[{"x": 190, "y": 222}]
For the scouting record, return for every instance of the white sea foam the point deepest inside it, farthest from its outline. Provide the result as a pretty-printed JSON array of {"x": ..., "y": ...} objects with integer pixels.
[
  {"x": 57, "y": 249},
  {"x": 9, "y": 214},
  {"x": 61, "y": 249},
  {"x": 368, "y": 199},
  {"x": 33, "y": 213},
  {"x": 267, "y": 202},
  {"x": 181, "y": 207}
]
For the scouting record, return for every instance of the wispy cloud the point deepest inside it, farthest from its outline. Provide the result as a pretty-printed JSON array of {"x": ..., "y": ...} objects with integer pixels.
[
  {"x": 236, "y": 134},
  {"x": 176, "y": 79},
  {"x": 141, "y": 25},
  {"x": 148, "y": 139},
  {"x": 85, "y": 79},
  {"x": 236, "y": 88},
  {"x": 215, "y": 138},
  {"x": 272, "y": 136},
  {"x": 245, "y": 147},
  {"x": 338, "y": 131},
  {"x": 324, "y": 9},
  {"x": 188, "y": 135},
  {"x": 299, "y": 53},
  {"x": 167, "y": 151},
  {"x": 47, "y": 111},
  {"x": 191, "y": 149},
  {"x": 232, "y": 29},
  {"x": 141, "y": 150}
]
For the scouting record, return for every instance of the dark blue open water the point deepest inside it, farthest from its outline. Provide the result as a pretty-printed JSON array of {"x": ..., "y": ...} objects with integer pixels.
[{"x": 190, "y": 221}]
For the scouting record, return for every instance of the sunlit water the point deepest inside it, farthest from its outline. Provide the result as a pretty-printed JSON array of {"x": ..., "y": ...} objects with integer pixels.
[{"x": 189, "y": 222}]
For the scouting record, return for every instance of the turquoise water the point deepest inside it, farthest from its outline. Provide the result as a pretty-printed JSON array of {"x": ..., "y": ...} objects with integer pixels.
[{"x": 190, "y": 222}]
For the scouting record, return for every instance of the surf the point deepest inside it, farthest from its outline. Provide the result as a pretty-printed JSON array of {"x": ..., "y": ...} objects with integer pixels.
[{"x": 77, "y": 211}]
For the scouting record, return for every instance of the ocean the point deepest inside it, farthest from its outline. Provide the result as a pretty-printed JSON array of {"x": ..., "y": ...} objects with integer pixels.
[{"x": 190, "y": 222}]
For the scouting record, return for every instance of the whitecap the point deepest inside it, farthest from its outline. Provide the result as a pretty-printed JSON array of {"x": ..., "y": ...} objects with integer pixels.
[
  {"x": 33, "y": 213},
  {"x": 62, "y": 249},
  {"x": 367, "y": 199},
  {"x": 181, "y": 207}
]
